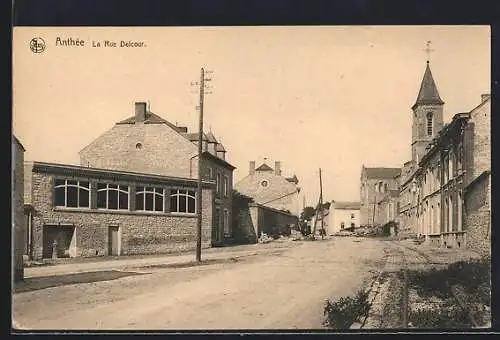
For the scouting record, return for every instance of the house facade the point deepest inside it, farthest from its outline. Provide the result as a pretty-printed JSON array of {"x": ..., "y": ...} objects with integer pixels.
[
  {"x": 80, "y": 211},
  {"x": 343, "y": 216},
  {"x": 267, "y": 186},
  {"x": 376, "y": 184},
  {"x": 147, "y": 143},
  {"x": 17, "y": 199}
]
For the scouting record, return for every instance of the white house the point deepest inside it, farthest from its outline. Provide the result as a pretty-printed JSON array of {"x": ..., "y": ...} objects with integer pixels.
[{"x": 343, "y": 216}]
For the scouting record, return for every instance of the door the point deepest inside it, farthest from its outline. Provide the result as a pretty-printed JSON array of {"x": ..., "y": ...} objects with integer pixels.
[
  {"x": 49, "y": 236},
  {"x": 113, "y": 241},
  {"x": 216, "y": 226}
]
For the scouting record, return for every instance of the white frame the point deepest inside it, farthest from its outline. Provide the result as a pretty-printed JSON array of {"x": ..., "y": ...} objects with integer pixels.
[{"x": 78, "y": 187}]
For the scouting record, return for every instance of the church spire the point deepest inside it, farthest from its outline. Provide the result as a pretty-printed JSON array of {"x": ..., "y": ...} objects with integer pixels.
[{"x": 428, "y": 94}]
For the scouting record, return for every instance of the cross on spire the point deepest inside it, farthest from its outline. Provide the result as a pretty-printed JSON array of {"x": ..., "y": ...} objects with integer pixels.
[{"x": 428, "y": 49}]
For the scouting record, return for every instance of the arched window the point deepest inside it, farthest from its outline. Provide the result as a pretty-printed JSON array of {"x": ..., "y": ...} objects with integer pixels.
[
  {"x": 112, "y": 196},
  {"x": 149, "y": 199},
  {"x": 429, "y": 124},
  {"x": 71, "y": 194},
  {"x": 183, "y": 201},
  {"x": 342, "y": 225}
]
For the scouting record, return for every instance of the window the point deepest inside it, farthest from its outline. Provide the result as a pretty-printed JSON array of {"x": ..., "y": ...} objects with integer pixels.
[
  {"x": 226, "y": 186},
  {"x": 352, "y": 216},
  {"x": 183, "y": 201},
  {"x": 218, "y": 183},
  {"x": 450, "y": 165},
  {"x": 385, "y": 187},
  {"x": 149, "y": 199},
  {"x": 342, "y": 225},
  {"x": 429, "y": 124},
  {"x": 264, "y": 183},
  {"x": 112, "y": 196},
  {"x": 352, "y": 225},
  {"x": 460, "y": 152},
  {"x": 71, "y": 194},
  {"x": 210, "y": 173}
]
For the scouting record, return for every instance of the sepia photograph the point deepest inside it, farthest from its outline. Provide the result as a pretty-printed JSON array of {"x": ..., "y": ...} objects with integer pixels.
[{"x": 251, "y": 178}]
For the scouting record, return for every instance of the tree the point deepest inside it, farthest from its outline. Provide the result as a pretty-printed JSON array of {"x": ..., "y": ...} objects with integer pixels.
[{"x": 307, "y": 213}]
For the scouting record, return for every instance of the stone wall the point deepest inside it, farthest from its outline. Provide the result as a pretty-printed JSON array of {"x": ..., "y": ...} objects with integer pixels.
[
  {"x": 478, "y": 216},
  {"x": 254, "y": 219},
  {"x": 139, "y": 232},
  {"x": 162, "y": 151},
  {"x": 18, "y": 220}
]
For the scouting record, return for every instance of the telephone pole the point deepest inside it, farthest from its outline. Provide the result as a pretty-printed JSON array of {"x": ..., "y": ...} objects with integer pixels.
[
  {"x": 200, "y": 163},
  {"x": 321, "y": 205},
  {"x": 200, "y": 150}
]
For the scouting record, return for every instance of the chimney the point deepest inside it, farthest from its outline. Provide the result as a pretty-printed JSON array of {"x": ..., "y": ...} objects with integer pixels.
[
  {"x": 277, "y": 168},
  {"x": 485, "y": 97},
  {"x": 140, "y": 112},
  {"x": 252, "y": 167}
]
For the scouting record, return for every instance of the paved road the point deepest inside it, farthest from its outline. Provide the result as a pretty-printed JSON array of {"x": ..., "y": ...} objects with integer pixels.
[{"x": 284, "y": 289}]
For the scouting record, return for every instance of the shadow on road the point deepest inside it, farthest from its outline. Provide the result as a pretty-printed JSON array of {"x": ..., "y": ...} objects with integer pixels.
[{"x": 42, "y": 282}]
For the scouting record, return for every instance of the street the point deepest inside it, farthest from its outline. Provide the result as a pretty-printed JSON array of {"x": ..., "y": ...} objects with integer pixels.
[{"x": 282, "y": 288}]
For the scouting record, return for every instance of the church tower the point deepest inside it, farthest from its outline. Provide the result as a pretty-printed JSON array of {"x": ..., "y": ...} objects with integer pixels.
[{"x": 427, "y": 116}]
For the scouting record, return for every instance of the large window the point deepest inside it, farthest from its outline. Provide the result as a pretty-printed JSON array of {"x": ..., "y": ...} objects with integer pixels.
[
  {"x": 112, "y": 196},
  {"x": 71, "y": 194},
  {"x": 183, "y": 201},
  {"x": 149, "y": 199}
]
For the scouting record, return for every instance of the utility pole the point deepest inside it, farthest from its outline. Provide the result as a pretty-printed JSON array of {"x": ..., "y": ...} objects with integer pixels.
[
  {"x": 200, "y": 150},
  {"x": 200, "y": 163},
  {"x": 321, "y": 205}
]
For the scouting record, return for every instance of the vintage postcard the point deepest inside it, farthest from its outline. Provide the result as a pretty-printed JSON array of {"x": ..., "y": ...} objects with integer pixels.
[{"x": 292, "y": 178}]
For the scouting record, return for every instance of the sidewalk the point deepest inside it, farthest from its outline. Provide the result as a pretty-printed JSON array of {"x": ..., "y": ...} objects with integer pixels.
[{"x": 123, "y": 262}]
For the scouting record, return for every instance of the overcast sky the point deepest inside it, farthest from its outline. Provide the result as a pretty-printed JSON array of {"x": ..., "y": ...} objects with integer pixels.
[{"x": 311, "y": 97}]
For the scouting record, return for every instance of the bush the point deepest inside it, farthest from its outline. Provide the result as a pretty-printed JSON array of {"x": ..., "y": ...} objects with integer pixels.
[{"x": 346, "y": 311}]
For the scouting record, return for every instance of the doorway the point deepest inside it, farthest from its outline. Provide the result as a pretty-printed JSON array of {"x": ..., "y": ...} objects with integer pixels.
[
  {"x": 58, "y": 241},
  {"x": 113, "y": 241}
]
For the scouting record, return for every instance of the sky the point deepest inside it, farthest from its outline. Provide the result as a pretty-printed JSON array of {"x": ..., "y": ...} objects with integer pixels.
[{"x": 329, "y": 97}]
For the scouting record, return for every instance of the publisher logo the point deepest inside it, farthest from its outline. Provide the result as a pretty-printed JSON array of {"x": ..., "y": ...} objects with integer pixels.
[{"x": 37, "y": 45}]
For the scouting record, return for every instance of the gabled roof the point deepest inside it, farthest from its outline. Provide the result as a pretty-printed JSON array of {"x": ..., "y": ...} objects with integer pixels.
[
  {"x": 194, "y": 136},
  {"x": 382, "y": 173},
  {"x": 347, "y": 205},
  {"x": 151, "y": 118},
  {"x": 211, "y": 137},
  {"x": 264, "y": 167},
  {"x": 18, "y": 142},
  {"x": 220, "y": 148},
  {"x": 218, "y": 160},
  {"x": 428, "y": 93},
  {"x": 293, "y": 179}
]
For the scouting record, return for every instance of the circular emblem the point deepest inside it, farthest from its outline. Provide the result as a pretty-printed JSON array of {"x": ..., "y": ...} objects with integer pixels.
[
  {"x": 264, "y": 183},
  {"x": 37, "y": 45}
]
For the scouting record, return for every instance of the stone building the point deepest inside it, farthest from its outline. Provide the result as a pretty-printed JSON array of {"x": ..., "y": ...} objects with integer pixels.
[
  {"x": 451, "y": 186},
  {"x": 477, "y": 192},
  {"x": 267, "y": 186},
  {"x": 82, "y": 211},
  {"x": 17, "y": 199},
  {"x": 147, "y": 143},
  {"x": 376, "y": 184},
  {"x": 427, "y": 122}
]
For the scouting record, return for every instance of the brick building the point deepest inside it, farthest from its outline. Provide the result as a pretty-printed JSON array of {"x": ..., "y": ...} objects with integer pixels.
[
  {"x": 147, "y": 143},
  {"x": 17, "y": 211},
  {"x": 376, "y": 184},
  {"x": 82, "y": 211},
  {"x": 267, "y": 186}
]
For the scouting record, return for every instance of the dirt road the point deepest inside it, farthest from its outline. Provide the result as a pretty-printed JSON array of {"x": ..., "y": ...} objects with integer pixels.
[{"x": 285, "y": 289}]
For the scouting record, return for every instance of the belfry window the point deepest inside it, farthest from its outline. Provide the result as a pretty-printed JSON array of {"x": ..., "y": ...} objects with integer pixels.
[{"x": 429, "y": 124}]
